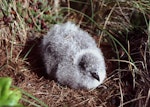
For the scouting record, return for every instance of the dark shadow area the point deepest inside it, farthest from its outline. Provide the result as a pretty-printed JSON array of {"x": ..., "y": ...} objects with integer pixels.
[
  {"x": 32, "y": 54},
  {"x": 108, "y": 54},
  {"x": 135, "y": 42}
]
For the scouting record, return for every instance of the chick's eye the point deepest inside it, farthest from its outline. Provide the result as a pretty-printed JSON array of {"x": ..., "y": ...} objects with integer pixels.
[{"x": 82, "y": 65}]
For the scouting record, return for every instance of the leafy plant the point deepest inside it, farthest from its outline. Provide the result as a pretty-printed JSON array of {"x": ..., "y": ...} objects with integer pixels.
[{"x": 8, "y": 96}]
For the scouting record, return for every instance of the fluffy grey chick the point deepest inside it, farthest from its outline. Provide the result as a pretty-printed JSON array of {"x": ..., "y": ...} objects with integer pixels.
[{"x": 72, "y": 58}]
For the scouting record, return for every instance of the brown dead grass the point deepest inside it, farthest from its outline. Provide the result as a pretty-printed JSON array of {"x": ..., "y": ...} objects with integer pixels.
[{"x": 20, "y": 60}]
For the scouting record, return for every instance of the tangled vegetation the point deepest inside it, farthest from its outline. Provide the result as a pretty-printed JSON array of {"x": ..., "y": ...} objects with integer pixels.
[{"x": 121, "y": 29}]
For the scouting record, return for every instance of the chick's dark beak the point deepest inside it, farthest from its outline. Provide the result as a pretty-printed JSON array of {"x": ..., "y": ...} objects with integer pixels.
[{"x": 95, "y": 75}]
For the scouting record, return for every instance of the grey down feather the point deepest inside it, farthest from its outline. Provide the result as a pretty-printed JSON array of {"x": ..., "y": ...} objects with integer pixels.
[{"x": 71, "y": 57}]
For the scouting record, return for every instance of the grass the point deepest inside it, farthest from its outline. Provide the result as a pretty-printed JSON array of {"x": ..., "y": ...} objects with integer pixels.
[
  {"x": 122, "y": 26},
  {"x": 38, "y": 103}
]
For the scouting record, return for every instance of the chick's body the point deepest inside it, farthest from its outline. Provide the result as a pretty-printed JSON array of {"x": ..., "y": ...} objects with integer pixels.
[{"x": 71, "y": 56}]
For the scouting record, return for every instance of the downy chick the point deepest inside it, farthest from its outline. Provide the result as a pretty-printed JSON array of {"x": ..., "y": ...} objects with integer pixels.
[{"x": 72, "y": 57}]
